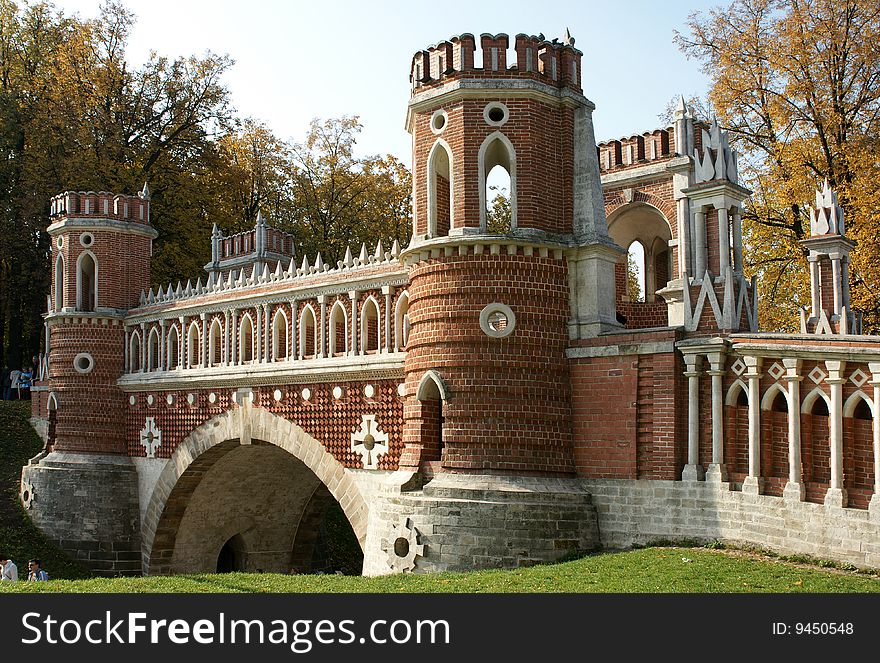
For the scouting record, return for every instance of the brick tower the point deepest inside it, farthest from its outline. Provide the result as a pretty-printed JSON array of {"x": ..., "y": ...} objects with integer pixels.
[
  {"x": 492, "y": 309},
  {"x": 101, "y": 246}
]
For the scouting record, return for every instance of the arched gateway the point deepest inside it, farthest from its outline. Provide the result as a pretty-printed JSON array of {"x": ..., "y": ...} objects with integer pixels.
[{"x": 246, "y": 474}]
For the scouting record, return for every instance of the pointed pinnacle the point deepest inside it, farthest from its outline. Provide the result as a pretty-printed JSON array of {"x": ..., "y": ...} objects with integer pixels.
[
  {"x": 304, "y": 268},
  {"x": 319, "y": 263},
  {"x": 348, "y": 261},
  {"x": 380, "y": 252},
  {"x": 363, "y": 255}
]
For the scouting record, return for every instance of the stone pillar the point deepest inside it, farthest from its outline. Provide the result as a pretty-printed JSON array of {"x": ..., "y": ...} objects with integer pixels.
[
  {"x": 794, "y": 489},
  {"x": 127, "y": 350},
  {"x": 258, "y": 336},
  {"x": 234, "y": 342},
  {"x": 723, "y": 241},
  {"x": 816, "y": 305},
  {"x": 874, "y": 506},
  {"x": 700, "y": 259},
  {"x": 293, "y": 321},
  {"x": 836, "y": 495},
  {"x": 143, "y": 348},
  {"x": 835, "y": 281},
  {"x": 203, "y": 338},
  {"x": 388, "y": 291},
  {"x": 737, "y": 241},
  {"x": 322, "y": 300},
  {"x": 753, "y": 482},
  {"x": 162, "y": 326},
  {"x": 353, "y": 296},
  {"x": 265, "y": 330},
  {"x": 717, "y": 471},
  {"x": 684, "y": 235},
  {"x": 227, "y": 315},
  {"x": 182, "y": 360},
  {"x": 693, "y": 471}
]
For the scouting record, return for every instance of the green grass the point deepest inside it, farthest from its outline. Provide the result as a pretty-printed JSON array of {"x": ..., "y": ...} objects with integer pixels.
[
  {"x": 19, "y": 537},
  {"x": 654, "y": 569},
  {"x": 643, "y": 570}
]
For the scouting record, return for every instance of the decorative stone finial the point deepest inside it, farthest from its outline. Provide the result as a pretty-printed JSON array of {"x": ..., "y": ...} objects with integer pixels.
[
  {"x": 568, "y": 40},
  {"x": 718, "y": 161},
  {"x": 145, "y": 192},
  {"x": 827, "y": 217}
]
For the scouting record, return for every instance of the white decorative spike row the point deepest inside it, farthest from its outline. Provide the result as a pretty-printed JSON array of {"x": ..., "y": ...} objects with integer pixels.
[
  {"x": 827, "y": 217},
  {"x": 263, "y": 275}
]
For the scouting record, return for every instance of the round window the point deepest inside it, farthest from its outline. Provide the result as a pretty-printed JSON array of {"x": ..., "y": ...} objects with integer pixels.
[
  {"x": 496, "y": 113},
  {"x": 87, "y": 239},
  {"x": 83, "y": 362},
  {"x": 497, "y": 320},
  {"x": 438, "y": 121}
]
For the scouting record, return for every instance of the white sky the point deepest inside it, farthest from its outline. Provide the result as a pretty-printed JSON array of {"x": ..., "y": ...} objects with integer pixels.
[{"x": 296, "y": 60}]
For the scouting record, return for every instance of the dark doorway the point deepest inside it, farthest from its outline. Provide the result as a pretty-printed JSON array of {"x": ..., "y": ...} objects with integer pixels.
[{"x": 231, "y": 557}]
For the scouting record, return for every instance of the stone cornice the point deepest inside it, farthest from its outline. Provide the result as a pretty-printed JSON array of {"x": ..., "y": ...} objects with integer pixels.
[
  {"x": 645, "y": 173},
  {"x": 69, "y": 224},
  {"x": 298, "y": 371}
]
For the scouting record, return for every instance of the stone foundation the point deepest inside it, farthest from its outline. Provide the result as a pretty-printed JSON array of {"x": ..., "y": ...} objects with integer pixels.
[
  {"x": 87, "y": 504},
  {"x": 462, "y": 522},
  {"x": 639, "y": 512}
]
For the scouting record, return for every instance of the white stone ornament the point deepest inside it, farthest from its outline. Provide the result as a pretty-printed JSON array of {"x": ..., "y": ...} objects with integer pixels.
[
  {"x": 369, "y": 442},
  {"x": 369, "y": 391},
  {"x": 401, "y": 389},
  {"x": 151, "y": 437},
  {"x": 28, "y": 494},
  {"x": 403, "y": 547}
]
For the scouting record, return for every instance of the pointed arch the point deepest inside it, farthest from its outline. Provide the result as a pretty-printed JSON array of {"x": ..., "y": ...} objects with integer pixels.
[
  {"x": 338, "y": 329},
  {"x": 370, "y": 325},
  {"x": 441, "y": 190},
  {"x": 401, "y": 321},
  {"x": 134, "y": 352},
  {"x": 86, "y": 282},
  {"x": 308, "y": 332},
  {"x": 172, "y": 349},
  {"x": 280, "y": 335},
  {"x": 153, "y": 346},
  {"x": 215, "y": 343},
  {"x": 193, "y": 345},
  {"x": 771, "y": 394},
  {"x": 733, "y": 392},
  {"x": 432, "y": 386},
  {"x": 849, "y": 407},
  {"x": 245, "y": 339},
  {"x": 59, "y": 283},
  {"x": 496, "y": 150},
  {"x": 810, "y": 400}
]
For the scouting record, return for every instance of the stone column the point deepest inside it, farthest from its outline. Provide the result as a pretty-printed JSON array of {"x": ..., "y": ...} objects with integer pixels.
[
  {"x": 684, "y": 235},
  {"x": 723, "y": 241},
  {"x": 700, "y": 260},
  {"x": 293, "y": 322},
  {"x": 227, "y": 315},
  {"x": 182, "y": 359},
  {"x": 813, "y": 261},
  {"x": 143, "y": 348},
  {"x": 388, "y": 291},
  {"x": 353, "y": 296},
  {"x": 836, "y": 495},
  {"x": 874, "y": 506},
  {"x": 203, "y": 345},
  {"x": 234, "y": 340},
  {"x": 753, "y": 483},
  {"x": 258, "y": 335},
  {"x": 127, "y": 349},
  {"x": 693, "y": 471},
  {"x": 162, "y": 326},
  {"x": 794, "y": 489},
  {"x": 717, "y": 471},
  {"x": 322, "y": 300},
  {"x": 737, "y": 241},
  {"x": 835, "y": 282}
]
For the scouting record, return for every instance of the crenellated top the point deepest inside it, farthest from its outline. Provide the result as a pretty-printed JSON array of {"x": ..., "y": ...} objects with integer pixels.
[
  {"x": 637, "y": 150},
  {"x": 827, "y": 217},
  {"x": 346, "y": 268},
  {"x": 555, "y": 62},
  {"x": 101, "y": 205}
]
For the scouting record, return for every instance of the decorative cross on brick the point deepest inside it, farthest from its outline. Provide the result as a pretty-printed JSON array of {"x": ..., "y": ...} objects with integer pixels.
[
  {"x": 151, "y": 437},
  {"x": 369, "y": 442}
]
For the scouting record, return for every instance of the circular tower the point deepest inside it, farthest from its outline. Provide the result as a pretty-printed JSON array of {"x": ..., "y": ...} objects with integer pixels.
[
  {"x": 495, "y": 298},
  {"x": 101, "y": 247}
]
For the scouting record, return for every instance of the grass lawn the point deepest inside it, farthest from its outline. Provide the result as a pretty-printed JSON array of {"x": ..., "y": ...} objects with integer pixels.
[{"x": 658, "y": 569}]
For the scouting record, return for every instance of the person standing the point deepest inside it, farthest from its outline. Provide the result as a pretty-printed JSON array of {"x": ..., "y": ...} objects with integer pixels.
[
  {"x": 13, "y": 382},
  {"x": 8, "y": 569},
  {"x": 35, "y": 572}
]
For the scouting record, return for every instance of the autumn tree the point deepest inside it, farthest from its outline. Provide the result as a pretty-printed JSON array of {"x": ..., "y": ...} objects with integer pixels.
[
  {"x": 499, "y": 214},
  {"x": 797, "y": 83},
  {"x": 340, "y": 199}
]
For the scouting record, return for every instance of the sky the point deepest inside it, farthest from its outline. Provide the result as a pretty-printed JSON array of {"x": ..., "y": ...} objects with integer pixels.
[{"x": 298, "y": 60}]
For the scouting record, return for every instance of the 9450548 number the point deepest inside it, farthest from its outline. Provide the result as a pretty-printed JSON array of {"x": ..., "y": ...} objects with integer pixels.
[{"x": 813, "y": 628}]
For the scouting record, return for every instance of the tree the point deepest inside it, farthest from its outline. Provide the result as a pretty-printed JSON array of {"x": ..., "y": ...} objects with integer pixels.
[
  {"x": 797, "y": 83},
  {"x": 341, "y": 200},
  {"x": 499, "y": 214}
]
